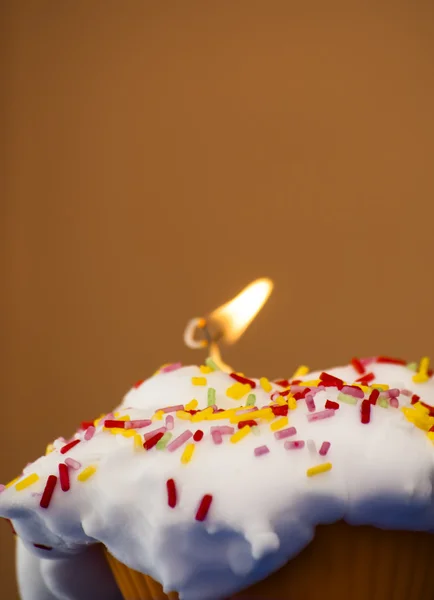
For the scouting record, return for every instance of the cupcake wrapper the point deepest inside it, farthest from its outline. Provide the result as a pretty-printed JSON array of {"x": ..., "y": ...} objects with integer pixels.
[{"x": 341, "y": 562}]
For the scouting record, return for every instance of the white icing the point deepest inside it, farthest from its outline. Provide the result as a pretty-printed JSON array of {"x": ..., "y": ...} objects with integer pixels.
[{"x": 264, "y": 509}]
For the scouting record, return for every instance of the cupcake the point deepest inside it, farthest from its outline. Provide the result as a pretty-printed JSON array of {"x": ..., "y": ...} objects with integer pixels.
[{"x": 209, "y": 485}]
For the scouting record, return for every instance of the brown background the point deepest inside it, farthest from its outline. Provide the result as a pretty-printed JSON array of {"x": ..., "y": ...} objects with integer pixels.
[{"x": 160, "y": 155}]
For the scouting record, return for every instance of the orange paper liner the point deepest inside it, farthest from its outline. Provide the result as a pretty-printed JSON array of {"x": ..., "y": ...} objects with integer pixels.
[{"x": 341, "y": 562}]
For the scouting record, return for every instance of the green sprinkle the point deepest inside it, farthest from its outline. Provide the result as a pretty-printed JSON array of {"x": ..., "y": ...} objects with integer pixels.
[
  {"x": 162, "y": 443},
  {"x": 211, "y": 364},
  {"x": 347, "y": 398},
  {"x": 211, "y": 396},
  {"x": 255, "y": 430},
  {"x": 412, "y": 366},
  {"x": 251, "y": 400},
  {"x": 383, "y": 403}
]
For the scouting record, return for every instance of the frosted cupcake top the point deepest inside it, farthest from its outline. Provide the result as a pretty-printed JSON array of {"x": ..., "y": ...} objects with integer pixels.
[{"x": 209, "y": 481}]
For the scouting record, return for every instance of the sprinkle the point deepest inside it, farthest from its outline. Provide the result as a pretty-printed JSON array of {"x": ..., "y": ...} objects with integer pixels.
[
  {"x": 198, "y": 380},
  {"x": 240, "y": 434},
  {"x": 282, "y": 382},
  {"x": 347, "y": 398},
  {"x": 263, "y": 413},
  {"x": 280, "y": 411},
  {"x": 2, "y": 487},
  {"x": 352, "y": 390},
  {"x": 89, "y": 433},
  {"x": 292, "y": 403},
  {"x": 73, "y": 464},
  {"x": 11, "y": 483},
  {"x": 261, "y": 450},
  {"x": 184, "y": 415},
  {"x": 238, "y": 390},
  {"x": 358, "y": 366},
  {"x": 279, "y": 424},
  {"x": 251, "y": 400},
  {"x": 394, "y": 402},
  {"x": 26, "y": 482},
  {"x": 211, "y": 396},
  {"x": 216, "y": 437},
  {"x": 163, "y": 441},
  {"x": 152, "y": 441},
  {"x": 392, "y": 361},
  {"x": 42, "y": 547},
  {"x": 301, "y": 371},
  {"x": 187, "y": 454},
  {"x": 170, "y": 422},
  {"x": 243, "y": 380},
  {"x": 192, "y": 405},
  {"x": 406, "y": 393},
  {"x": 148, "y": 435},
  {"x": 158, "y": 415},
  {"x": 204, "y": 506},
  {"x": 265, "y": 384},
  {"x": 198, "y": 435},
  {"x": 223, "y": 429},
  {"x": 138, "y": 441},
  {"x": 138, "y": 424},
  {"x": 380, "y": 386},
  {"x": 138, "y": 383},
  {"x": 368, "y": 378},
  {"x": 205, "y": 370},
  {"x": 86, "y": 473},
  {"x": 373, "y": 397},
  {"x": 48, "y": 491},
  {"x": 325, "y": 447},
  {"x": 202, "y": 415},
  {"x": 171, "y": 367},
  {"x": 412, "y": 366},
  {"x": 49, "y": 449},
  {"x": 284, "y": 433},
  {"x": 223, "y": 414},
  {"x": 310, "y": 403},
  {"x": 256, "y": 431},
  {"x": 332, "y": 405},
  {"x": 179, "y": 441},
  {"x": 326, "y": 378},
  {"x": 422, "y": 375},
  {"x": 68, "y": 446},
  {"x": 296, "y": 445},
  {"x": 311, "y": 446},
  {"x": 383, "y": 403},
  {"x": 85, "y": 424},
  {"x": 322, "y": 414},
  {"x": 247, "y": 423},
  {"x": 319, "y": 469},
  {"x": 365, "y": 412},
  {"x": 415, "y": 398},
  {"x": 212, "y": 364},
  {"x": 110, "y": 423},
  {"x": 171, "y": 493},
  {"x": 64, "y": 477}
]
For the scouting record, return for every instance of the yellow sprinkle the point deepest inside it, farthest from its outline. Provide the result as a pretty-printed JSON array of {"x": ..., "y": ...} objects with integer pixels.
[
  {"x": 114, "y": 430},
  {"x": 128, "y": 433},
  {"x": 49, "y": 449},
  {"x": 30, "y": 480},
  {"x": 279, "y": 424},
  {"x": 430, "y": 435},
  {"x": 300, "y": 372},
  {"x": 319, "y": 469},
  {"x": 292, "y": 403},
  {"x": 191, "y": 405},
  {"x": 420, "y": 408},
  {"x": 263, "y": 413},
  {"x": 280, "y": 400},
  {"x": 238, "y": 390},
  {"x": 422, "y": 375},
  {"x": 86, "y": 473},
  {"x": 138, "y": 442},
  {"x": 225, "y": 414},
  {"x": 380, "y": 386},
  {"x": 11, "y": 483},
  {"x": 205, "y": 370},
  {"x": 187, "y": 454},
  {"x": 182, "y": 414},
  {"x": 364, "y": 388},
  {"x": 158, "y": 416},
  {"x": 201, "y": 415},
  {"x": 311, "y": 383},
  {"x": 240, "y": 434},
  {"x": 265, "y": 384},
  {"x": 198, "y": 380}
]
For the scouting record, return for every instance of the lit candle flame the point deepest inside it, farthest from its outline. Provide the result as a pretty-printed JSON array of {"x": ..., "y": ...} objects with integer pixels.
[{"x": 229, "y": 321}]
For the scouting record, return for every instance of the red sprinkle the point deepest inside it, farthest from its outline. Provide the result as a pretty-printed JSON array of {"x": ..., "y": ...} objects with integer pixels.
[
  {"x": 244, "y": 380},
  {"x": 358, "y": 366},
  {"x": 42, "y": 547},
  {"x": 300, "y": 395},
  {"x": 171, "y": 493},
  {"x": 86, "y": 424},
  {"x": 64, "y": 477},
  {"x": 365, "y": 412},
  {"x": 68, "y": 446},
  {"x": 198, "y": 435},
  {"x": 331, "y": 381},
  {"x": 295, "y": 381},
  {"x": 331, "y": 404},
  {"x": 415, "y": 398},
  {"x": 282, "y": 382},
  {"x": 365, "y": 379},
  {"x": 203, "y": 509},
  {"x": 138, "y": 383},
  {"x": 48, "y": 491},
  {"x": 373, "y": 396},
  {"x": 250, "y": 422},
  {"x": 432, "y": 428},
  {"x": 392, "y": 361},
  {"x": 430, "y": 408},
  {"x": 284, "y": 393},
  {"x": 153, "y": 441},
  {"x": 280, "y": 411},
  {"x": 113, "y": 423}
]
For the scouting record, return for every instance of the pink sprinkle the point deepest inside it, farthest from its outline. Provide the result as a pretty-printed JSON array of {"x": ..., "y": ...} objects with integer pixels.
[
  {"x": 74, "y": 464},
  {"x": 215, "y": 408},
  {"x": 284, "y": 433},
  {"x": 310, "y": 403},
  {"x": 394, "y": 402},
  {"x": 172, "y": 367},
  {"x": 170, "y": 422},
  {"x": 2, "y": 487},
  {"x": 246, "y": 410},
  {"x": 407, "y": 393},
  {"x": 323, "y": 414},
  {"x": 149, "y": 434},
  {"x": 169, "y": 409},
  {"x": 393, "y": 393},
  {"x": 89, "y": 433},
  {"x": 178, "y": 441},
  {"x": 354, "y": 391},
  {"x": 216, "y": 437},
  {"x": 296, "y": 445},
  {"x": 138, "y": 424},
  {"x": 223, "y": 429},
  {"x": 324, "y": 448},
  {"x": 297, "y": 388},
  {"x": 260, "y": 450}
]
